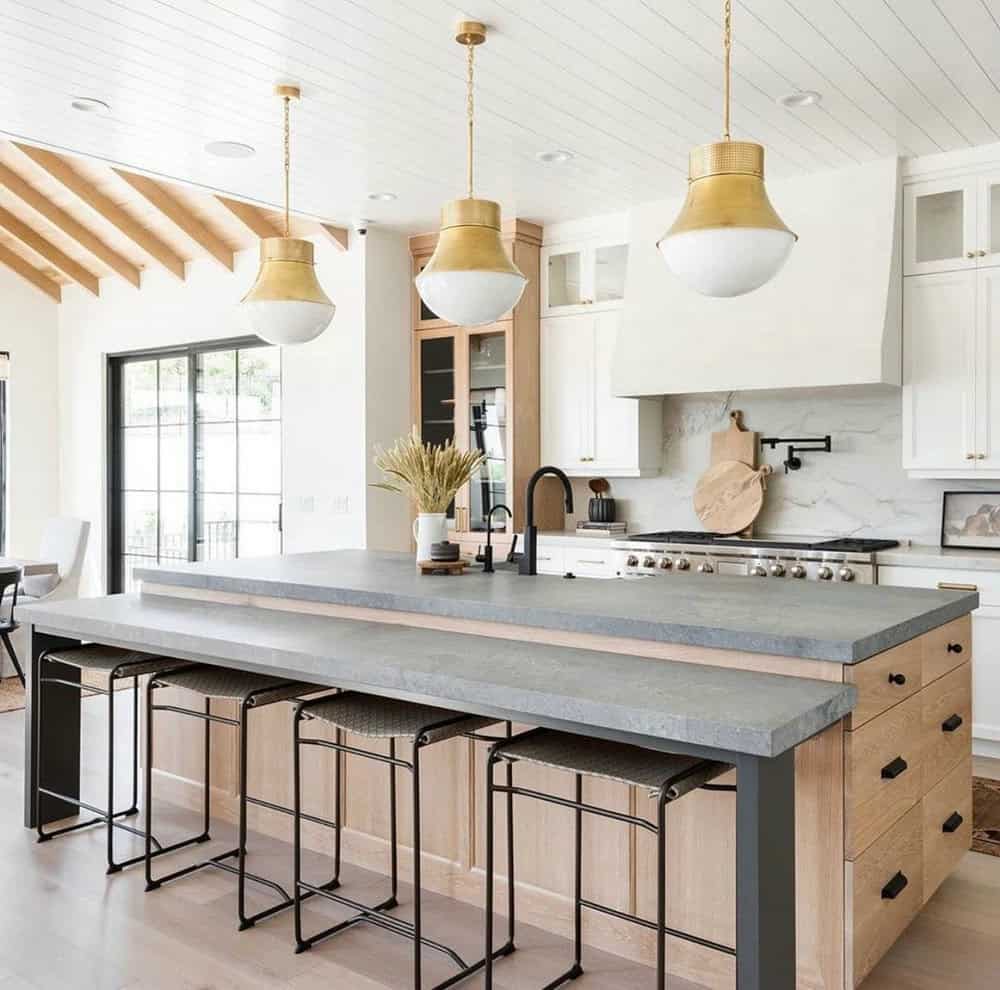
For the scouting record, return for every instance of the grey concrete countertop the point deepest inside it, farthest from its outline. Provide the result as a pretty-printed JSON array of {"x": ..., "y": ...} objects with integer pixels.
[
  {"x": 650, "y": 702},
  {"x": 945, "y": 558},
  {"x": 839, "y": 622}
]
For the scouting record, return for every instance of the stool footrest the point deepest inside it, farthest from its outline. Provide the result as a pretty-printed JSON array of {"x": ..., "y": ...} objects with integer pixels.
[{"x": 651, "y": 925}]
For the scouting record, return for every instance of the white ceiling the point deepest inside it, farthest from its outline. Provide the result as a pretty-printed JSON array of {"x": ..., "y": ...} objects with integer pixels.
[{"x": 627, "y": 85}]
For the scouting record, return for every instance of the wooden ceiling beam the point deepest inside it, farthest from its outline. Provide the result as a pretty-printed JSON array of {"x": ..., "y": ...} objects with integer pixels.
[
  {"x": 28, "y": 272},
  {"x": 179, "y": 215},
  {"x": 338, "y": 235},
  {"x": 71, "y": 227},
  {"x": 58, "y": 259},
  {"x": 84, "y": 190},
  {"x": 252, "y": 217}
]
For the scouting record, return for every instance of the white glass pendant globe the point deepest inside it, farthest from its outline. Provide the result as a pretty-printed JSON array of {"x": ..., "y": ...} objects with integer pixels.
[
  {"x": 727, "y": 261},
  {"x": 288, "y": 321},
  {"x": 470, "y": 298}
]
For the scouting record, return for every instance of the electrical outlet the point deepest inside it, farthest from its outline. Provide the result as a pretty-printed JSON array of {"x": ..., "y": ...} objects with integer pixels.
[{"x": 340, "y": 505}]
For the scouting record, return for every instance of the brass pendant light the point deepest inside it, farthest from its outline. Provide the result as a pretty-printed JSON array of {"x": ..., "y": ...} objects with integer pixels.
[
  {"x": 728, "y": 239},
  {"x": 286, "y": 304},
  {"x": 469, "y": 279}
]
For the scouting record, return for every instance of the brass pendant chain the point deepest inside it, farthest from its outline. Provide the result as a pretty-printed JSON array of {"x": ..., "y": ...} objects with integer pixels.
[
  {"x": 288, "y": 166},
  {"x": 470, "y": 107},
  {"x": 727, "y": 45}
]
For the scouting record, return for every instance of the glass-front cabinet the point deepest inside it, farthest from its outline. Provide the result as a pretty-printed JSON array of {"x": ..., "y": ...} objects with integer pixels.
[
  {"x": 582, "y": 276},
  {"x": 952, "y": 224},
  {"x": 487, "y": 425}
]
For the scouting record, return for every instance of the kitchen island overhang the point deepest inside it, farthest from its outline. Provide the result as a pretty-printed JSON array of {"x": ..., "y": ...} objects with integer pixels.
[{"x": 563, "y": 673}]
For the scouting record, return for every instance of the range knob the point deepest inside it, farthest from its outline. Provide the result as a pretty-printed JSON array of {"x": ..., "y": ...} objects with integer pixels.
[
  {"x": 648, "y": 562},
  {"x": 683, "y": 564},
  {"x": 845, "y": 574},
  {"x": 666, "y": 563},
  {"x": 824, "y": 573},
  {"x": 777, "y": 569},
  {"x": 632, "y": 561},
  {"x": 705, "y": 567},
  {"x": 758, "y": 570},
  {"x": 798, "y": 571}
]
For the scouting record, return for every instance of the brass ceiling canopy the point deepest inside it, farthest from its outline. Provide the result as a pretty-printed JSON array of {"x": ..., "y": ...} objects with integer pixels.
[
  {"x": 470, "y": 280},
  {"x": 286, "y": 304}
]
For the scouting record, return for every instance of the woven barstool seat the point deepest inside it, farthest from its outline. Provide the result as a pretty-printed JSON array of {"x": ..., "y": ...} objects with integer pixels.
[
  {"x": 236, "y": 685},
  {"x": 389, "y": 718},
  {"x": 614, "y": 761},
  {"x": 114, "y": 660}
]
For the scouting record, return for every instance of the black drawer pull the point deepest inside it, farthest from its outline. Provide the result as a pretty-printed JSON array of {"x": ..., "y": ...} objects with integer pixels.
[
  {"x": 899, "y": 679},
  {"x": 892, "y": 770},
  {"x": 895, "y": 887},
  {"x": 954, "y": 647},
  {"x": 952, "y": 823},
  {"x": 951, "y": 723}
]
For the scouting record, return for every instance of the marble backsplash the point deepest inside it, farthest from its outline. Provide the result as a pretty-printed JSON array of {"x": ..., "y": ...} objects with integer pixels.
[{"x": 859, "y": 489}]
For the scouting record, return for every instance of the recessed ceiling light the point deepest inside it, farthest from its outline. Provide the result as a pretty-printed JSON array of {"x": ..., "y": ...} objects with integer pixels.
[
  {"x": 382, "y": 197},
  {"x": 555, "y": 157},
  {"x": 230, "y": 149},
  {"x": 800, "y": 98},
  {"x": 89, "y": 104}
]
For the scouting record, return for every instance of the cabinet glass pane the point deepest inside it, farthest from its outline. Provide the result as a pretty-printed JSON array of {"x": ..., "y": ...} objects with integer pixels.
[
  {"x": 939, "y": 225},
  {"x": 609, "y": 275},
  {"x": 488, "y": 426},
  {"x": 994, "y": 208},
  {"x": 426, "y": 313},
  {"x": 437, "y": 393},
  {"x": 565, "y": 288}
]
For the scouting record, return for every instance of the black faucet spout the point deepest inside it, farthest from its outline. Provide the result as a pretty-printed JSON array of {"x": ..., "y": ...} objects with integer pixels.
[
  {"x": 529, "y": 556},
  {"x": 488, "y": 554}
]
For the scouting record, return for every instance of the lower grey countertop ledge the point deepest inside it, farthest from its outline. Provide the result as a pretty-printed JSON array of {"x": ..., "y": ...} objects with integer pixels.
[
  {"x": 843, "y": 623},
  {"x": 656, "y": 702}
]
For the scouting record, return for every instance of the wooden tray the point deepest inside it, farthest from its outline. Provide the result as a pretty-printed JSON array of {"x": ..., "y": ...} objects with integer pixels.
[
  {"x": 442, "y": 566},
  {"x": 736, "y": 444},
  {"x": 729, "y": 496}
]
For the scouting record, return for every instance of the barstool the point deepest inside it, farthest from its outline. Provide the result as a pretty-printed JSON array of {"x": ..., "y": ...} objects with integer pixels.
[
  {"x": 668, "y": 776},
  {"x": 118, "y": 665},
  {"x": 394, "y": 720},
  {"x": 251, "y": 691}
]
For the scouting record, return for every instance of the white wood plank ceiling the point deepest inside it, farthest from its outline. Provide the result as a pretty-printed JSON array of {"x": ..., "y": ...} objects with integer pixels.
[{"x": 626, "y": 85}]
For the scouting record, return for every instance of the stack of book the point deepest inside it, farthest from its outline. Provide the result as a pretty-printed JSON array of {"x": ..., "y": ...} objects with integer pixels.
[{"x": 584, "y": 528}]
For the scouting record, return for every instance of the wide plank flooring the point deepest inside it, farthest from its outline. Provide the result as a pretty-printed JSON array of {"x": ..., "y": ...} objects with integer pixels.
[{"x": 63, "y": 923}]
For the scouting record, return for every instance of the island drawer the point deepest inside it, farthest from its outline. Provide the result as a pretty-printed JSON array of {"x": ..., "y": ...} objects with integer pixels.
[
  {"x": 883, "y": 774},
  {"x": 946, "y": 647},
  {"x": 947, "y": 814},
  {"x": 885, "y": 680},
  {"x": 947, "y": 723},
  {"x": 589, "y": 563},
  {"x": 884, "y": 892}
]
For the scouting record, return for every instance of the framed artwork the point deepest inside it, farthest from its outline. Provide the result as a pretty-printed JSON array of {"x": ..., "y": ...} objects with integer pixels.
[{"x": 971, "y": 519}]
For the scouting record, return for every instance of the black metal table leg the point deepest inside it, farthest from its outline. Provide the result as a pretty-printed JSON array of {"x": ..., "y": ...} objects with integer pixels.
[
  {"x": 60, "y": 768},
  {"x": 765, "y": 873}
]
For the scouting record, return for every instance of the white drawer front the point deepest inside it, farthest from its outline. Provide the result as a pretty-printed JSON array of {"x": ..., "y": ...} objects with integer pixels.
[
  {"x": 986, "y": 582},
  {"x": 550, "y": 560},
  {"x": 590, "y": 563}
]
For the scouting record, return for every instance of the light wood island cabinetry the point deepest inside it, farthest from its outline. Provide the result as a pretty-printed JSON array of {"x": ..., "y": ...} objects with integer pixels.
[{"x": 872, "y": 844}]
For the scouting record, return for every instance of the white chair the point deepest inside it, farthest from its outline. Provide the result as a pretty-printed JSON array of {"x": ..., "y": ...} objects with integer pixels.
[{"x": 64, "y": 541}]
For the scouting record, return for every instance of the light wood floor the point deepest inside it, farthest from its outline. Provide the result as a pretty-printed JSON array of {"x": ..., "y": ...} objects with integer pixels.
[{"x": 63, "y": 923}]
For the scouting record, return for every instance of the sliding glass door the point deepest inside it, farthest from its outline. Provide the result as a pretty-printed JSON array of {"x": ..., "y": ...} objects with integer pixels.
[{"x": 195, "y": 466}]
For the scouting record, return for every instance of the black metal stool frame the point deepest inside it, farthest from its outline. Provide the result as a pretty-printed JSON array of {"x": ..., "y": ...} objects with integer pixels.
[
  {"x": 579, "y": 807},
  {"x": 107, "y": 815},
  {"x": 240, "y": 852},
  {"x": 375, "y": 914}
]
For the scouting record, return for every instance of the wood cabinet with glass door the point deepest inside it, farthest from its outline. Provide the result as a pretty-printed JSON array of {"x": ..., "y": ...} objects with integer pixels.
[{"x": 479, "y": 387}]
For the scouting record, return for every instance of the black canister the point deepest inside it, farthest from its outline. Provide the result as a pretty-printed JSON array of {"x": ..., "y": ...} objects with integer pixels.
[{"x": 601, "y": 510}]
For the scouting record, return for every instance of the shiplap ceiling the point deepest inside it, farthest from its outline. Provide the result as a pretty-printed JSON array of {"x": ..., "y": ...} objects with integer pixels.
[{"x": 626, "y": 85}]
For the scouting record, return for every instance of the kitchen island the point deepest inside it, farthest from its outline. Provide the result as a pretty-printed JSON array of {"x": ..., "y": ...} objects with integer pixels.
[{"x": 761, "y": 678}]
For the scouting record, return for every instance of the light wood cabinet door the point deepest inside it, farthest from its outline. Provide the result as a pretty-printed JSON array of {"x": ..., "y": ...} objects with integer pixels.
[
  {"x": 940, "y": 225},
  {"x": 939, "y": 353}
]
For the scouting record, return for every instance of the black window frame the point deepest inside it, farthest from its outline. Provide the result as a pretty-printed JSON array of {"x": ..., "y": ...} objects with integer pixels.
[{"x": 115, "y": 447}]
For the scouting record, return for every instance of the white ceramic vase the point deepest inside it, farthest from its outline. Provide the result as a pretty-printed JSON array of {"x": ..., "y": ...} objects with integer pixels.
[{"x": 428, "y": 528}]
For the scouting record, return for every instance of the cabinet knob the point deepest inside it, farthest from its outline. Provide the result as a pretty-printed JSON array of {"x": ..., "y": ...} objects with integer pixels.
[
  {"x": 970, "y": 254},
  {"x": 952, "y": 723},
  {"x": 895, "y": 887},
  {"x": 899, "y": 679},
  {"x": 955, "y": 648},
  {"x": 981, "y": 254},
  {"x": 970, "y": 457},
  {"x": 894, "y": 768},
  {"x": 952, "y": 823},
  {"x": 980, "y": 457}
]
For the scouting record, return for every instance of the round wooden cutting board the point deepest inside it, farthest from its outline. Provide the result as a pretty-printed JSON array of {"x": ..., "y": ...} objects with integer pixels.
[{"x": 729, "y": 496}]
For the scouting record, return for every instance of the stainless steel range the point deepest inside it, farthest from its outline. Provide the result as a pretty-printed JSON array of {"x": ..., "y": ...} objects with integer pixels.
[{"x": 706, "y": 554}]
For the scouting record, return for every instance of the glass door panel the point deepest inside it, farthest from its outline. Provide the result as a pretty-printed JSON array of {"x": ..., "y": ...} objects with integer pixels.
[
  {"x": 437, "y": 393},
  {"x": 610, "y": 263},
  {"x": 488, "y": 426},
  {"x": 940, "y": 226},
  {"x": 988, "y": 246},
  {"x": 565, "y": 285}
]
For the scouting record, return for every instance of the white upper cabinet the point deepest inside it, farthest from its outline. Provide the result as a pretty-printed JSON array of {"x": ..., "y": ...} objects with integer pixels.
[
  {"x": 578, "y": 276},
  {"x": 586, "y": 430},
  {"x": 951, "y": 224},
  {"x": 987, "y": 363}
]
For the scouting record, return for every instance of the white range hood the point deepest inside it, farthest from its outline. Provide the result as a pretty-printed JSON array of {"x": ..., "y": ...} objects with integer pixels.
[{"x": 831, "y": 317}]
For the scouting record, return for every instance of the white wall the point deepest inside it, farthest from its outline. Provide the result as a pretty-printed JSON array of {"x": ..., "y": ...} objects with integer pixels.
[
  {"x": 324, "y": 436},
  {"x": 28, "y": 330}
]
